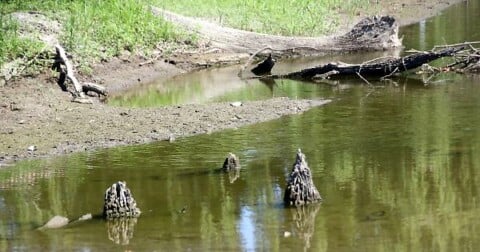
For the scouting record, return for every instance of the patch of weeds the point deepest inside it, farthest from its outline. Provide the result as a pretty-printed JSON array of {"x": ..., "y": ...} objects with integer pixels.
[
  {"x": 92, "y": 30},
  {"x": 29, "y": 53}
]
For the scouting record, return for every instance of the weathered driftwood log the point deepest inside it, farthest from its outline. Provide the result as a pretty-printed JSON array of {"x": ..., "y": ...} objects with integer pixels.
[
  {"x": 467, "y": 63},
  {"x": 88, "y": 86},
  {"x": 371, "y": 33},
  {"x": 61, "y": 59},
  {"x": 467, "y": 59},
  {"x": 231, "y": 163},
  {"x": 60, "y": 221},
  {"x": 377, "y": 32},
  {"x": 300, "y": 188},
  {"x": 56, "y": 222},
  {"x": 119, "y": 202},
  {"x": 473, "y": 68},
  {"x": 378, "y": 69},
  {"x": 62, "y": 65}
]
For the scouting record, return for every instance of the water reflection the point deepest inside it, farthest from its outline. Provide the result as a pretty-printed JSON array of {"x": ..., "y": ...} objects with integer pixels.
[
  {"x": 270, "y": 83},
  {"x": 214, "y": 85},
  {"x": 397, "y": 165},
  {"x": 303, "y": 224},
  {"x": 457, "y": 24},
  {"x": 233, "y": 175},
  {"x": 120, "y": 231},
  {"x": 247, "y": 230}
]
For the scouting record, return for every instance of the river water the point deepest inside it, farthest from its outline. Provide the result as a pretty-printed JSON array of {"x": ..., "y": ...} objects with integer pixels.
[{"x": 397, "y": 164}]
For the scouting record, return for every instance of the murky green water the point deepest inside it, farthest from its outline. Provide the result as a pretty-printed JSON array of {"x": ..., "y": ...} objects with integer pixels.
[{"x": 398, "y": 166}]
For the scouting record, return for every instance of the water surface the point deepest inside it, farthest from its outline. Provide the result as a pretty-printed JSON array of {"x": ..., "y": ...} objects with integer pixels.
[{"x": 397, "y": 165}]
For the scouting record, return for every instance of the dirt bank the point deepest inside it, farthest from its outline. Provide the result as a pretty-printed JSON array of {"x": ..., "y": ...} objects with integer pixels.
[
  {"x": 412, "y": 11},
  {"x": 34, "y": 111},
  {"x": 42, "y": 115}
]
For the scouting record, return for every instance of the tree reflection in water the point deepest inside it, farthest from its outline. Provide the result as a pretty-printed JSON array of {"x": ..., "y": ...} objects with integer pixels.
[
  {"x": 233, "y": 175},
  {"x": 303, "y": 222},
  {"x": 120, "y": 231}
]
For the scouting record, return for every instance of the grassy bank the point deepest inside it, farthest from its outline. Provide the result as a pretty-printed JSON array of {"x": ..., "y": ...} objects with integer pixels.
[
  {"x": 302, "y": 17},
  {"x": 91, "y": 30}
]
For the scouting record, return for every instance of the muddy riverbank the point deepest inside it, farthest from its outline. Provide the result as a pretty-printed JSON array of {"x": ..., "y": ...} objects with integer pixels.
[{"x": 35, "y": 112}]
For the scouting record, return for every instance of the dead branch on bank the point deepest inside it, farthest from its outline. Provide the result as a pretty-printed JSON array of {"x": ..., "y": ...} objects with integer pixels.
[
  {"x": 466, "y": 58},
  {"x": 249, "y": 61},
  {"x": 62, "y": 65},
  {"x": 96, "y": 88}
]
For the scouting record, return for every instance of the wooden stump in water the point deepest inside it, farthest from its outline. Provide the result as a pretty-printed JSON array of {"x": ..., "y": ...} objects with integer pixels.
[
  {"x": 264, "y": 67},
  {"x": 231, "y": 163},
  {"x": 300, "y": 188},
  {"x": 119, "y": 202}
]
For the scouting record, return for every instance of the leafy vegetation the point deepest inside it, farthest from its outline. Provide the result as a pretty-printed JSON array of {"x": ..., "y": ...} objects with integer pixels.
[
  {"x": 302, "y": 17},
  {"x": 91, "y": 30},
  {"x": 11, "y": 45},
  {"x": 97, "y": 30}
]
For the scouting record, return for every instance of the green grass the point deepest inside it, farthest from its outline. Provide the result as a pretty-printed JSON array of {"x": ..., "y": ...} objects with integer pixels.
[
  {"x": 12, "y": 46},
  {"x": 92, "y": 29},
  {"x": 282, "y": 17}
]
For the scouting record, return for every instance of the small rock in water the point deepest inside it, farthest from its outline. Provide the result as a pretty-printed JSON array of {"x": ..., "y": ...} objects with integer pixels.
[
  {"x": 183, "y": 210},
  {"x": 86, "y": 217},
  {"x": 32, "y": 148},
  {"x": 56, "y": 222},
  {"x": 236, "y": 104}
]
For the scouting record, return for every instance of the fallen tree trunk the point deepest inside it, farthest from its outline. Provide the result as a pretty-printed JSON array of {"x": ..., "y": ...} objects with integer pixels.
[
  {"x": 88, "y": 86},
  {"x": 372, "y": 33},
  {"x": 61, "y": 59},
  {"x": 62, "y": 65},
  {"x": 383, "y": 68},
  {"x": 465, "y": 54}
]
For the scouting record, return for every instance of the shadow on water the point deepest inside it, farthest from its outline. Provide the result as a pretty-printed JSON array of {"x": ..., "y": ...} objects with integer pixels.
[{"x": 396, "y": 164}]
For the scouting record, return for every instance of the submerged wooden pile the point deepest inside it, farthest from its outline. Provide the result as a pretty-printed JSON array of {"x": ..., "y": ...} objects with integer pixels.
[
  {"x": 300, "y": 188},
  {"x": 231, "y": 163},
  {"x": 119, "y": 202}
]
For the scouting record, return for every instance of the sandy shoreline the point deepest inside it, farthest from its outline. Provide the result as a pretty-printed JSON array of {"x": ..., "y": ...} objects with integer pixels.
[{"x": 36, "y": 112}]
